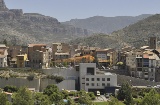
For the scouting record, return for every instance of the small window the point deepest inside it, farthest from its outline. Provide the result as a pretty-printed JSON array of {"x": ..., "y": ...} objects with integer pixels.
[
  {"x": 92, "y": 84},
  {"x": 87, "y": 84},
  {"x": 98, "y": 79},
  {"x": 92, "y": 79},
  {"x": 108, "y": 84},
  {"x": 103, "y": 84},
  {"x": 108, "y": 79},
  {"x": 103, "y": 79},
  {"x": 87, "y": 79},
  {"x": 98, "y": 84}
]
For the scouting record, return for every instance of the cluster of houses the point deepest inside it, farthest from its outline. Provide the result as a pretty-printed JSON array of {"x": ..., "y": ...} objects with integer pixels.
[{"x": 143, "y": 63}]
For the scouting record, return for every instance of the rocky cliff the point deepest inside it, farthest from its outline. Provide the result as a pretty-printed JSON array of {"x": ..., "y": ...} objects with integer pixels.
[
  {"x": 3, "y": 6},
  {"x": 23, "y": 28}
]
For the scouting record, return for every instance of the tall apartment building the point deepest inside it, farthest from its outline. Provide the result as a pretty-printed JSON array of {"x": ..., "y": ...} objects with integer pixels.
[
  {"x": 142, "y": 64},
  {"x": 39, "y": 56},
  {"x": 131, "y": 62},
  {"x": 90, "y": 81}
]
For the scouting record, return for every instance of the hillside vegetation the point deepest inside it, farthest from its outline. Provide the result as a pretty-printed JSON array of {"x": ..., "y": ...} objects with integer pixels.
[
  {"x": 100, "y": 24},
  {"x": 136, "y": 35}
]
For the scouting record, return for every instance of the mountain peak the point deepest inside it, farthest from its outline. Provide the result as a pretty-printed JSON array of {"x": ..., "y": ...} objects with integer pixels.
[{"x": 3, "y": 6}]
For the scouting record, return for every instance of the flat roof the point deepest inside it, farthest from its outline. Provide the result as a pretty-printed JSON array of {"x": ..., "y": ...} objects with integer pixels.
[
  {"x": 108, "y": 73},
  {"x": 31, "y": 45}
]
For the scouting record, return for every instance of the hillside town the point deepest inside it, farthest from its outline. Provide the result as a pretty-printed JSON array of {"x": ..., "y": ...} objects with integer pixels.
[{"x": 82, "y": 67}]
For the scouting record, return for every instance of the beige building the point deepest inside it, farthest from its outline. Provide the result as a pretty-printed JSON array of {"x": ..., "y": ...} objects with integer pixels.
[
  {"x": 60, "y": 51},
  {"x": 40, "y": 59},
  {"x": 39, "y": 56},
  {"x": 131, "y": 62}
]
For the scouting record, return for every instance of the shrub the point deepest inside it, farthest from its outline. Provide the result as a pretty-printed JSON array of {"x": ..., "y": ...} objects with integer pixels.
[
  {"x": 10, "y": 89},
  {"x": 30, "y": 77},
  {"x": 58, "y": 79}
]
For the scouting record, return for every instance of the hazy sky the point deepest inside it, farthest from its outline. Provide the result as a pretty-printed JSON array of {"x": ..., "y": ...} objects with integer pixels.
[{"x": 64, "y": 10}]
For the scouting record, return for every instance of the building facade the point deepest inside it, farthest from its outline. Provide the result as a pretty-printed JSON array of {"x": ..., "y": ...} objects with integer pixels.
[
  {"x": 22, "y": 61},
  {"x": 90, "y": 81},
  {"x": 3, "y": 55}
]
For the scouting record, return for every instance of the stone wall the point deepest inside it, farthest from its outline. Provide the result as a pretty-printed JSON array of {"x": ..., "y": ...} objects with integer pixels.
[{"x": 64, "y": 72}]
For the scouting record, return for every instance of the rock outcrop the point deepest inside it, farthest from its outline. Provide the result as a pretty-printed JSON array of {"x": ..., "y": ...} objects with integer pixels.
[
  {"x": 23, "y": 28},
  {"x": 3, "y": 6}
]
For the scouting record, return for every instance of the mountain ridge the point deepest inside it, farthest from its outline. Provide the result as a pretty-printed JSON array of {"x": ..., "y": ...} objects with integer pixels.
[
  {"x": 15, "y": 26},
  {"x": 101, "y": 24},
  {"x": 135, "y": 35}
]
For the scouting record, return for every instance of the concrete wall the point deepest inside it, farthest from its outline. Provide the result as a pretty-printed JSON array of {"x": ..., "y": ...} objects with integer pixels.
[
  {"x": 67, "y": 84},
  {"x": 19, "y": 82},
  {"x": 38, "y": 84},
  {"x": 67, "y": 73},
  {"x": 135, "y": 81}
]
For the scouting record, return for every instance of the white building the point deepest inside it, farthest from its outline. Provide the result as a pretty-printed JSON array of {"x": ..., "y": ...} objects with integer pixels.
[
  {"x": 89, "y": 80},
  {"x": 3, "y": 61},
  {"x": 3, "y": 55}
]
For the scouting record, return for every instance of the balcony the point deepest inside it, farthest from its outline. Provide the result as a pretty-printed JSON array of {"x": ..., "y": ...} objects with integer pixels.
[{"x": 145, "y": 76}]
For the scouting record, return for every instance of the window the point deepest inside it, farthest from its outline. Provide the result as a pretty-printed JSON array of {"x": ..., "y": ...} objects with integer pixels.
[
  {"x": 98, "y": 79},
  {"x": 90, "y": 71},
  {"x": 103, "y": 84},
  {"x": 108, "y": 79},
  {"x": 108, "y": 84},
  {"x": 103, "y": 79},
  {"x": 92, "y": 84},
  {"x": 87, "y": 79},
  {"x": 92, "y": 79},
  {"x": 87, "y": 84},
  {"x": 98, "y": 84}
]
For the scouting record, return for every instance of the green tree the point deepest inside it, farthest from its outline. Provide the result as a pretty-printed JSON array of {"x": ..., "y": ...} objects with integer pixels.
[
  {"x": 65, "y": 94},
  {"x": 23, "y": 97},
  {"x": 41, "y": 99},
  {"x": 3, "y": 99},
  {"x": 54, "y": 94},
  {"x": 113, "y": 101},
  {"x": 65, "y": 64},
  {"x": 10, "y": 89},
  {"x": 125, "y": 93},
  {"x": 92, "y": 96},
  {"x": 71, "y": 102},
  {"x": 152, "y": 98},
  {"x": 84, "y": 98},
  {"x": 50, "y": 89}
]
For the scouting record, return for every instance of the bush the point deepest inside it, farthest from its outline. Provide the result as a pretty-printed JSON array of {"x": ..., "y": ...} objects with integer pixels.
[
  {"x": 30, "y": 77},
  {"x": 91, "y": 94},
  {"x": 10, "y": 89},
  {"x": 58, "y": 79}
]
